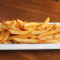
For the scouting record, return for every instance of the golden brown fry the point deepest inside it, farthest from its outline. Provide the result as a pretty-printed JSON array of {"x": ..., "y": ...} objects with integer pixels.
[
  {"x": 4, "y": 27},
  {"x": 56, "y": 36},
  {"x": 50, "y": 27},
  {"x": 49, "y": 33},
  {"x": 47, "y": 38},
  {"x": 20, "y": 24},
  {"x": 31, "y": 24},
  {"x": 25, "y": 40},
  {"x": 38, "y": 32},
  {"x": 1, "y": 29},
  {"x": 6, "y": 36},
  {"x": 45, "y": 23},
  {"x": 18, "y": 31},
  {"x": 7, "y": 42},
  {"x": 2, "y": 35},
  {"x": 51, "y": 41},
  {"x": 0, "y": 25},
  {"x": 23, "y": 36},
  {"x": 6, "y": 22},
  {"x": 14, "y": 23}
]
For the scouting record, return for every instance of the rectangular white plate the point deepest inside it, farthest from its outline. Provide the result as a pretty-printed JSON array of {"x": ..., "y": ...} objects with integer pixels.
[{"x": 29, "y": 46}]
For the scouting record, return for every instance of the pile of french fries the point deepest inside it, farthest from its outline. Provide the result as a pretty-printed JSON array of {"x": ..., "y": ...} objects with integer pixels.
[{"x": 19, "y": 32}]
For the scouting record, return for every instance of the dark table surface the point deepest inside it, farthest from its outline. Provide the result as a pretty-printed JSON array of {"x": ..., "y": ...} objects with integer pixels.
[{"x": 30, "y": 10}]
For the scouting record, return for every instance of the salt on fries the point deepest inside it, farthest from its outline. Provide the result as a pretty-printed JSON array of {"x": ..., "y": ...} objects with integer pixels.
[{"x": 18, "y": 32}]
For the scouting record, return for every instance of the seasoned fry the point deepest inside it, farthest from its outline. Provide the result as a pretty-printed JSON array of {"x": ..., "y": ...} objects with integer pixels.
[
  {"x": 18, "y": 31},
  {"x": 50, "y": 27},
  {"x": 45, "y": 23},
  {"x": 6, "y": 22},
  {"x": 25, "y": 40},
  {"x": 6, "y": 36},
  {"x": 1, "y": 29},
  {"x": 49, "y": 33},
  {"x": 51, "y": 41},
  {"x": 2, "y": 35}
]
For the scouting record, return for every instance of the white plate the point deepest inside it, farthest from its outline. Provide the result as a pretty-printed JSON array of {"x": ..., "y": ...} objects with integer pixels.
[{"x": 29, "y": 46}]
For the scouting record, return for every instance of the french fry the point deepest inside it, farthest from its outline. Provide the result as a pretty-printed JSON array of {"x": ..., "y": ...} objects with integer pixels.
[
  {"x": 50, "y": 27},
  {"x": 47, "y": 38},
  {"x": 46, "y": 22},
  {"x": 6, "y": 36},
  {"x": 14, "y": 23},
  {"x": 20, "y": 24},
  {"x": 6, "y": 22},
  {"x": 56, "y": 36},
  {"x": 32, "y": 24},
  {"x": 25, "y": 40},
  {"x": 38, "y": 32},
  {"x": 4, "y": 27},
  {"x": 2, "y": 35},
  {"x": 1, "y": 29},
  {"x": 49, "y": 33},
  {"x": 18, "y": 31},
  {"x": 0, "y": 25},
  {"x": 29, "y": 29},
  {"x": 7, "y": 42},
  {"x": 51, "y": 41},
  {"x": 23, "y": 36}
]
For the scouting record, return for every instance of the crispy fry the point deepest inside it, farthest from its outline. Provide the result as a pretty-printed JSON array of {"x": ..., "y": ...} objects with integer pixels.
[
  {"x": 50, "y": 27},
  {"x": 25, "y": 40},
  {"x": 38, "y": 32},
  {"x": 1, "y": 29},
  {"x": 51, "y": 41},
  {"x": 18, "y": 31},
  {"x": 20, "y": 24},
  {"x": 2, "y": 35},
  {"x": 49, "y": 33},
  {"x": 6, "y": 36},
  {"x": 46, "y": 22},
  {"x": 7, "y": 42},
  {"x": 6, "y": 22},
  {"x": 47, "y": 38},
  {"x": 14, "y": 23}
]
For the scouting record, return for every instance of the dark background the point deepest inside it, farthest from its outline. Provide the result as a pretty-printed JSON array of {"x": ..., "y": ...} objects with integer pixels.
[{"x": 30, "y": 10}]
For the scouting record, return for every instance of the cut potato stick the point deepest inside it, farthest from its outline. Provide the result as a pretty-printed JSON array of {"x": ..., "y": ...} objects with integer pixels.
[
  {"x": 46, "y": 22},
  {"x": 1, "y": 29},
  {"x": 2, "y": 35},
  {"x": 32, "y": 24},
  {"x": 14, "y": 23},
  {"x": 20, "y": 24},
  {"x": 49, "y": 27},
  {"x": 6, "y": 36},
  {"x": 18, "y": 31},
  {"x": 56, "y": 36},
  {"x": 47, "y": 38},
  {"x": 0, "y": 25},
  {"x": 25, "y": 40},
  {"x": 38, "y": 32},
  {"x": 4, "y": 27},
  {"x": 7, "y": 42},
  {"x": 23, "y": 36},
  {"x": 6, "y": 22},
  {"x": 51, "y": 41},
  {"x": 49, "y": 33}
]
